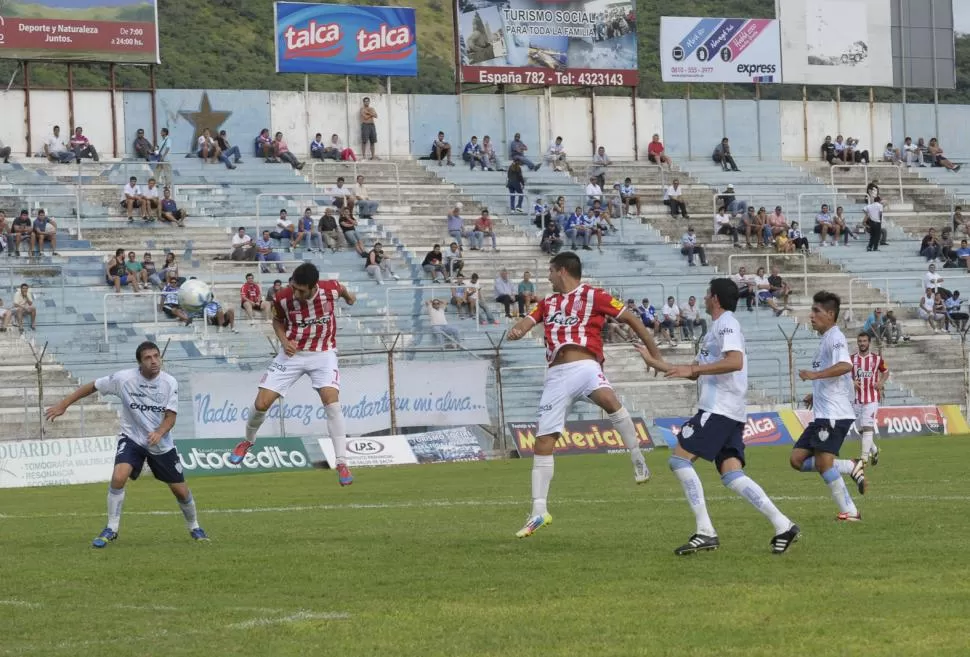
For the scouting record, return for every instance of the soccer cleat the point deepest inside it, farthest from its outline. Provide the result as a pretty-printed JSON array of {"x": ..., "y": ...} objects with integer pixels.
[
  {"x": 784, "y": 540},
  {"x": 845, "y": 516},
  {"x": 641, "y": 473},
  {"x": 239, "y": 452},
  {"x": 106, "y": 536},
  {"x": 533, "y": 524},
  {"x": 698, "y": 543},
  {"x": 858, "y": 475},
  {"x": 343, "y": 475},
  {"x": 873, "y": 457},
  {"x": 199, "y": 534}
]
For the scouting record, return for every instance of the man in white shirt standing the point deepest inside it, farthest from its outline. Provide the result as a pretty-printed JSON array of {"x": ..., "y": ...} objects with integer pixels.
[
  {"x": 133, "y": 198},
  {"x": 831, "y": 400},
  {"x": 594, "y": 192},
  {"x": 600, "y": 161},
  {"x": 932, "y": 280},
  {"x": 716, "y": 432},
  {"x": 874, "y": 213},
  {"x": 673, "y": 200}
]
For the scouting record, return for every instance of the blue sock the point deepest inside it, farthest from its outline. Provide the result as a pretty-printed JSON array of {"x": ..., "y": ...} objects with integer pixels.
[{"x": 808, "y": 465}]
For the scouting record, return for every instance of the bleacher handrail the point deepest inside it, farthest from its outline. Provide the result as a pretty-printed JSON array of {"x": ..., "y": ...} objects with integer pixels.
[
  {"x": 356, "y": 167},
  {"x": 104, "y": 306},
  {"x": 768, "y": 256},
  {"x": 865, "y": 169},
  {"x": 60, "y": 269},
  {"x": 429, "y": 288}
]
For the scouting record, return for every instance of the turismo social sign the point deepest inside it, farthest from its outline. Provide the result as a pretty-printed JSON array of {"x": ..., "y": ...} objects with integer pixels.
[{"x": 345, "y": 39}]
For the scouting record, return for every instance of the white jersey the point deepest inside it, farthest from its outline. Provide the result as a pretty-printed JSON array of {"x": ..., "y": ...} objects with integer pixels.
[
  {"x": 724, "y": 394},
  {"x": 832, "y": 398},
  {"x": 143, "y": 404}
]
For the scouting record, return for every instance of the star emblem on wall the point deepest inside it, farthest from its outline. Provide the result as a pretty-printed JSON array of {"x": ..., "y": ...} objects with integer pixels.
[{"x": 204, "y": 117}]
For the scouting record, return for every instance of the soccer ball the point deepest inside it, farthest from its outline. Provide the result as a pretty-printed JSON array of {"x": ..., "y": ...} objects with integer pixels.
[{"x": 193, "y": 295}]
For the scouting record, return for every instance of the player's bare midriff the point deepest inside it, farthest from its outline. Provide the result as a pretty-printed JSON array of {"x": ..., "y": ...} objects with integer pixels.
[{"x": 571, "y": 353}]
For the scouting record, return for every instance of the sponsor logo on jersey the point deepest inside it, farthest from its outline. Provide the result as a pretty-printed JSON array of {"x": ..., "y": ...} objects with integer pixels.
[
  {"x": 616, "y": 303},
  {"x": 562, "y": 319},
  {"x": 146, "y": 408}
]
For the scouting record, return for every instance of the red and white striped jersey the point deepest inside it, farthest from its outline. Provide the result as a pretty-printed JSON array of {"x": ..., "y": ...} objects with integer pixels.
[
  {"x": 310, "y": 324},
  {"x": 865, "y": 369},
  {"x": 576, "y": 318}
]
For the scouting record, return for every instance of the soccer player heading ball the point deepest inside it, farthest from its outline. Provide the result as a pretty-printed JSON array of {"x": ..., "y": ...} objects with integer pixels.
[{"x": 304, "y": 322}]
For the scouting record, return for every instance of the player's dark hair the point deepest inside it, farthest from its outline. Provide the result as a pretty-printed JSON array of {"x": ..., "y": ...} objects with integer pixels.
[
  {"x": 863, "y": 334},
  {"x": 726, "y": 293},
  {"x": 306, "y": 274},
  {"x": 570, "y": 262},
  {"x": 828, "y": 301},
  {"x": 148, "y": 345}
]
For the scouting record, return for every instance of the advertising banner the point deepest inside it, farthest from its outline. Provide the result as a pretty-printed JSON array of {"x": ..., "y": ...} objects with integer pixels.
[
  {"x": 345, "y": 39},
  {"x": 548, "y": 42},
  {"x": 447, "y": 445},
  {"x": 760, "y": 429},
  {"x": 905, "y": 421},
  {"x": 427, "y": 394},
  {"x": 720, "y": 50},
  {"x": 211, "y": 457},
  {"x": 123, "y": 31},
  {"x": 579, "y": 437},
  {"x": 382, "y": 450},
  {"x": 54, "y": 462}
]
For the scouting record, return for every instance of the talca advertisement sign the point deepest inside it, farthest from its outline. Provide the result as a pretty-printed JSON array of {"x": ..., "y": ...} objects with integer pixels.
[
  {"x": 579, "y": 437},
  {"x": 210, "y": 457},
  {"x": 901, "y": 421},
  {"x": 53, "y": 462},
  {"x": 760, "y": 429}
]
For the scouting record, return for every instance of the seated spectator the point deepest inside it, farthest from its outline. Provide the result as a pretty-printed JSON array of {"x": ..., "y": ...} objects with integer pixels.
[
  {"x": 629, "y": 196},
  {"x": 44, "y": 228},
  {"x": 282, "y": 152},
  {"x": 477, "y": 309},
  {"x": 152, "y": 275},
  {"x": 594, "y": 192},
  {"x": 841, "y": 225},
  {"x": 763, "y": 289},
  {"x": 348, "y": 225},
  {"x": 777, "y": 224},
  {"x": 963, "y": 255},
  {"x": 939, "y": 308},
  {"x": 141, "y": 146},
  {"x": 746, "y": 287},
  {"x": 317, "y": 148},
  {"x": 6, "y": 316},
  {"x": 691, "y": 318},
  {"x": 825, "y": 226},
  {"x": 152, "y": 199},
  {"x": 828, "y": 150},
  {"x": 932, "y": 280},
  {"x": 456, "y": 225},
  {"x": 540, "y": 213},
  {"x": 937, "y": 157},
  {"x": 689, "y": 246},
  {"x": 556, "y": 156},
  {"x": 840, "y": 149},
  {"x": 930, "y": 247},
  {"x": 133, "y": 198},
  {"x": 517, "y": 151},
  {"x": 264, "y": 253},
  {"x": 954, "y": 313},
  {"x": 875, "y": 326},
  {"x": 441, "y": 150},
  {"x": 515, "y": 183},
  {"x": 439, "y": 323},
  {"x": 216, "y": 315},
  {"x": 473, "y": 154},
  {"x": 489, "y": 155},
  {"x": 228, "y": 150},
  {"x": 891, "y": 154},
  {"x": 526, "y": 298},
  {"x": 285, "y": 229},
  {"x": 647, "y": 313},
  {"x": 600, "y": 163},
  {"x": 669, "y": 321},
  {"x": 4, "y": 243},
  {"x": 251, "y": 299},
  {"x": 735, "y": 206},
  {"x": 170, "y": 210},
  {"x": 433, "y": 264},
  {"x": 577, "y": 229},
  {"x": 116, "y": 272},
  {"x": 459, "y": 296},
  {"x": 959, "y": 223},
  {"x": 306, "y": 231},
  {"x": 208, "y": 150},
  {"x": 551, "y": 240},
  {"x": 722, "y": 155},
  {"x": 366, "y": 207},
  {"x": 949, "y": 254},
  {"x": 854, "y": 152},
  {"x": 170, "y": 268},
  {"x": 483, "y": 228},
  {"x": 778, "y": 287},
  {"x": 912, "y": 154},
  {"x": 136, "y": 270},
  {"x": 454, "y": 260},
  {"x": 656, "y": 152},
  {"x": 243, "y": 247},
  {"x": 723, "y": 225},
  {"x": 798, "y": 240},
  {"x": 56, "y": 149},
  {"x": 336, "y": 150},
  {"x": 23, "y": 304},
  {"x": 170, "y": 301},
  {"x": 505, "y": 291},
  {"x": 82, "y": 147},
  {"x": 330, "y": 231},
  {"x": 264, "y": 146},
  {"x": 341, "y": 195},
  {"x": 378, "y": 265},
  {"x": 673, "y": 199},
  {"x": 273, "y": 291},
  {"x": 751, "y": 225},
  {"x": 927, "y": 311},
  {"x": 895, "y": 327},
  {"x": 616, "y": 333}
]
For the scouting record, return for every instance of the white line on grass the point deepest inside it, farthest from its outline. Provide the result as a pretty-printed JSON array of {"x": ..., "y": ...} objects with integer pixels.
[
  {"x": 19, "y": 603},
  {"x": 292, "y": 618}
]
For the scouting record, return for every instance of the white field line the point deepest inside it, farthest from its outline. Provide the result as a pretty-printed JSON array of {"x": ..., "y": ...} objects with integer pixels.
[
  {"x": 292, "y": 618},
  {"x": 19, "y": 603}
]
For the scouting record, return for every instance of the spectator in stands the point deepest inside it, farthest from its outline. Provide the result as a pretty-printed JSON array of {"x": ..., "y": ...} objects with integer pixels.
[
  {"x": 434, "y": 264},
  {"x": 927, "y": 312},
  {"x": 282, "y": 152},
  {"x": 746, "y": 287},
  {"x": 44, "y": 228},
  {"x": 489, "y": 154},
  {"x": 722, "y": 155},
  {"x": 56, "y": 149},
  {"x": 459, "y": 297},
  {"x": 329, "y": 230},
  {"x": 873, "y": 222},
  {"x": 264, "y": 146},
  {"x": 828, "y": 150},
  {"x": 841, "y": 151},
  {"x": 689, "y": 246},
  {"x": 152, "y": 199},
  {"x": 22, "y": 230},
  {"x": 647, "y": 313},
  {"x": 341, "y": 195},
  {"x": 336, "y": 151},
  {"x": 840, "y": 223},
  {"x": 594, "y": 192},
  {"x": 854, "y": 152},
  {"x": 228, "y": 150},
  {"x": 23, "y": 304},
  {"x": 251, "y": 299},
  {"x": 891, "y": 154},
  {"x": 959, "y": 222},
  {"x": 4, "y": 243},
  {"x": 669, "y": 321},
  {"x": 208, "y": 150},
  {"x": 577, "y": 228},
  {"x": 473, "y": 154},
  {"x": 526, "y": 298},
  {"x": 540, "y": 213},
  {"x": 454, "y": 260},
  {"x": 474, "y": 298},
  {"x": 264, "y": 253},
  {"x": 762, "y": 288},
  {"x": 136, "y": 270},
  {"x": 939, "y": 160},
  {"x": 930, "y": 247},
  {"x": 378, "y": 265},
  {"x": 152, "y": 275},
  {"x": 875, "y": 326},
  {"x": 895, "y": 327},
  {"x": 912, "y": 154},
  {"x": 170, "y": 301},
  {"x": 515, "y": 183},
  {"x": 306, "y": 231},
  {"x": 133, "y": 198},
  {"x": 556, "y": 156},
  {"x": 82, "y": 146},
  {"x": 629, "y": 196},
  {"x": 963, "y": 255},
  {"x": 317, "y": 147},
  {"x": 4, "y": 152},
  {"x": 441, "y": 150},
  {"x": 6, "y": 316},
  {"x": 825, "y": 226},
  {"x": 439, "y": 324},
  {"x": 243, "y": 247},
  {"x": 171, "y": 267},
  {"x": 216, "y": 315},
  {"x": 954, "y": 313},
  {"x": 778, "y": 287},
  {"x": 551, "y": 240},
  {"x": 600, "y": 163},
  {"x": 692, "y": 317},
  {"x": 116, "y": 272},
  {"x": 348, "y": 225},
  {"x": 656, "y": 152},
  {"x": 368, "y": 129},
  {"x": 517, "y": 154},
  {"x": 141, "y": 146},
  {"x": 170, "y": 210},
  {"x": 456, "y": 225},
  {"x": 673, "y": 199},
  {"x": 273, "y": 291},
  {"x": 734, "y": 206},
  {"x": 505, "y": 291},
  {"x": 163, "y": 148},
  {"x": 483, "y": 228},
  {"x": 723, "y": 225},
  {"x": 751, "y": 225},
  {"x": 777, "y": 225},
  {"x": 285, "y": 229},
  {"x": 932, "y": 280},
  {"x": 949, "y": 254}
]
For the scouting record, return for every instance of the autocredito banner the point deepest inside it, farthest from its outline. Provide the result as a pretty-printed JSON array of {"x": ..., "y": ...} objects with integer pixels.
[
  {"x": 210, "y": 457},
  {"x": 579, "y": 437}
]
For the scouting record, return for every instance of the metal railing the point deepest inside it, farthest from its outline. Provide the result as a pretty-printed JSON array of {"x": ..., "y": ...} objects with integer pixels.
[
  {"x": 286, "y": 196},
  {"x": 104, "y": 305},
  {"x": 58, "y": 268},
  {"x": 768, "y": 257},
  {"x": 865, "y": 169},
  {"x": 832, "y": 196},
  {"x": 252, "y": 264},
  {"x": 873, "y": 281},
  {"x": 357, "y": 172},
  {"x": 430, "y": 288}
]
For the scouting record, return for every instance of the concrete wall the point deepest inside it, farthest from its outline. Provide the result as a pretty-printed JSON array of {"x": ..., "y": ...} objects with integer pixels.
[{"x": 407, "y": 124}]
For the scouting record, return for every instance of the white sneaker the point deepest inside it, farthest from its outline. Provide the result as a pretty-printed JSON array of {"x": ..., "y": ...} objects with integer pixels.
[{"x": 641, "y": 473}]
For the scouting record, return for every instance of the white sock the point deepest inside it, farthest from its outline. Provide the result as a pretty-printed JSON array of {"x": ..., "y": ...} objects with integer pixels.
[
  {"x": 868, "y": 444},
  {"x": 749, "y": 489},
  {"x": 623, "y": 424},
  {"x": 543, "y": 467},
  {"x": 338, "y": 431},
  {"x": 840, "y": 493},
  {"x": 188, "y": 510},
  {"x": 694, "y": 492},
  {"x": 116, "y": 500},
  {"x": 844, "y": 466},
  {"x": 254, "y": 422}
]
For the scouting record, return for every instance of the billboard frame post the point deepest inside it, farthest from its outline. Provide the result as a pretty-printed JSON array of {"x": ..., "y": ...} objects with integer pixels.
[
  {"x": 153, "y": 95},
  {"x": 26, "y": 65},
  {"x": 636, "y": 136},
  {"x": 592, "y": 115},
  {"x": 805, "y": 121},
  {"x": 114, "y": 118},
  {"x": 690, "y": 154},
  {"x": 838, "y": 110},
  {"x": 872, "y": 120},
  {"x": 70, "y": 97},
  {"x": 723, "y": 109},
  {"x": 757, "y": 110}
]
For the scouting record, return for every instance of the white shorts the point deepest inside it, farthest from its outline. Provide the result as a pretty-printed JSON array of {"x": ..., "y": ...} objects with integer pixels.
[
  {"x": 564, "y": 385},
  {"x": 284, "y": 371},
  {"x": 865, "y": 415}
]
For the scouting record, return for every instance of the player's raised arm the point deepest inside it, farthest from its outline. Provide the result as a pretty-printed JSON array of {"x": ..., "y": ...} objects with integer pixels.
[
  {"x": 61, "y": 407},
  {"x": 349, "y": 297}
]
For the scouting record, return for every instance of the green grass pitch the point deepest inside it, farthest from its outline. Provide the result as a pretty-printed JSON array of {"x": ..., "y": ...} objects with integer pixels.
[{"x": 421, "y": 561}]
